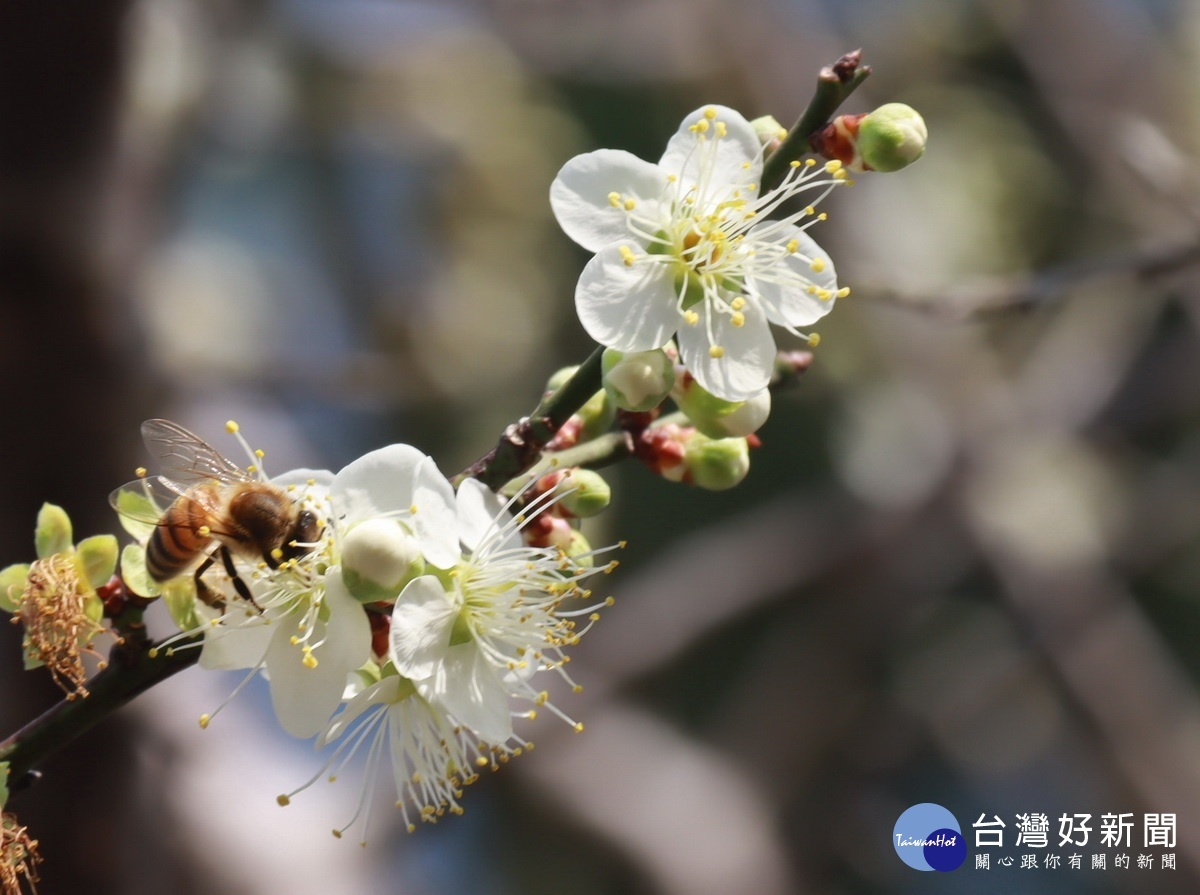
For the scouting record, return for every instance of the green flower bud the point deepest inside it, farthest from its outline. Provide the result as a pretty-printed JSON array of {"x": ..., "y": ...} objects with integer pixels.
[
  {"x": 892, "y": 137},
  {"x": 558, "y": 379},
  {"x": 378, "y": 558},
  {"x": 98, "y": 558},
  {"x": 769, "y": 130},
  {"x": 716, "y": 464},
  {"x": 596, "y": 416},
  {"x": 12, "y": 585},
  {"x": 53, "y": 534},
  {"x": 718, "y": 418},
  {"x": 637, "y": 380},
  {"x": 585, "y": 493},
  {"x": 580, "y": 549}
]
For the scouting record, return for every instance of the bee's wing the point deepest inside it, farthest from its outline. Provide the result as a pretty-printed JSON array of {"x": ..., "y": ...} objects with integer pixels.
[
  {"x": 145, "y": 499},
  {"x": 187, "y": 458}
]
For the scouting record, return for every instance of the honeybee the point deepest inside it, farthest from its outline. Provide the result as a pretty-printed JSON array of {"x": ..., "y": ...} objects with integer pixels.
[{"x": 214, "y": 508}]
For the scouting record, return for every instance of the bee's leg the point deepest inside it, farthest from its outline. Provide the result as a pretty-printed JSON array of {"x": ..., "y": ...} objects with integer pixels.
[
  {"x": 203, "y": 591},
  {"x": 239, "y": 585}
]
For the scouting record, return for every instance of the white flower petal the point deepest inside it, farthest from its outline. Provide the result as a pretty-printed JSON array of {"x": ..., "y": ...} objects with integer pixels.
[
  {"x": 579, "y": 194},
  {"x": 303, "y": 697},
  {"x": 320, "y": 479},
  {"x": 467, "y": 687},
  {"x": 629, "y": 308},
  {"x": 422, "y": 620},
  {"x": 737, "y": 157},
  {"x": 376, "y": 483},
  {"x": 745, "y": 368},
  {"x": 382, "y": 691},
  {"x": 479, "y": 514},
  {"x": 228, "y": 647},
  {"x": 435, "y": 515},
  {"x": 784, "y": 293}
]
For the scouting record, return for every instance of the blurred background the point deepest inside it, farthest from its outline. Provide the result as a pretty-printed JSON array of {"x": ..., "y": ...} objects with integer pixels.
[{"x": 964, "y": 567}]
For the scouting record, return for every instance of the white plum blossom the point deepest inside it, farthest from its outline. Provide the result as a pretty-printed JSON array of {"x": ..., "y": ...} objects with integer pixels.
[
  {"x": 432, "y": 757},
  {"x": 472, "y": 639},
  {"x": 306, "y": 628},
  {"x": 685, "y": 247}
]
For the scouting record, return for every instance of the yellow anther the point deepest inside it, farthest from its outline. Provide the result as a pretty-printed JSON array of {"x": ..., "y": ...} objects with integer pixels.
[
  {"x": 738, "y": 318},
  {"x": 204, "y": 719},
  {"x": 721, "y": 129},
  {"x": 614, "y": 199},
  {"x": 745, "y": 165},
  {"x": 140, "y": 472},
  {"x": 630, "y": 204},
  {"x": 716, "y": 352},
  {"x": 310, "y": 661},
  {"x": 817, "y": 264},
  {"x": 833, "y": 165},
  {"x": 843, "y": 292},
  {"x": 822, "y": 216},
  {"x": 627, "y": 255},
  {"x": 671, "y": 178},
  {"x": 781, "y": 133},
  {"x": 839, "y": 174},
  {"x": 579, "y": 727},
  {"x": 700, "y": 127},
  {"x": 282, "y": 801},
  {"x": 792, "y": 246},
  {"x": 204, "y": 531},
  {"x": 738, "y": 303},
  {"x": 691, "y": 317},
  {"x": 809, "y": 209},
  {"x": 710, "y": 113},
  {"x": 260, "y": 453},
  {"x": 814, "y": 339},
  {"x": 231, "y": 427},
  {"x": 251, "y": 469},
  {"x": 412, "y": 509},
  {"x": 152, "y": 652},
  {"x": 276, "y": 554},
  {"x": 824, "y": 294},
  {"x": 809, "y": 162},
  {"x": 795, "y": 163}
]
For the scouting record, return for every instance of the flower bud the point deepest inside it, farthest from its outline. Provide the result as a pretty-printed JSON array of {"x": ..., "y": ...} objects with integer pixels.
[
  {"x": 12, "y": 585},
  {"x": 770, "y": 132},
  {"x": 580, "y": 550},
  {"x": 378, "y": 558},
  {"x": 892, "y": 137},
  {"x": 718, "y": 418},
  {"x": 53, "y": 533},
  {"x": 716, "y": 464},
  {"x": 98, "y": 557},
  {"x": 637, "y": 380},
  {"x": 596, "y": 416},
  {"x": 584, "y": 493},
  {"x": 888, "y": 139}
]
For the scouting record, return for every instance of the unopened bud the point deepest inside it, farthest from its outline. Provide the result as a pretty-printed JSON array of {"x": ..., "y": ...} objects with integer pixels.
[
  {"x": 892, "y": 137},
  {"x": 53, "y": 533},
  {"x": 596, "y": 416},
  {"x": 637, "y": 380},
  {"x": 888, "y": 139},
  {"x": 580, "y": 549},
  {"x": 718, "y": 418},
  {"x": 716, "y": 464},
  {"x": 378, "y": 558},
  {"x": 12, "y": 585},
  {"x": 98, "y": 558},
  {"x": 769, "y": 131},
  {"x": 584, "y": 493}
]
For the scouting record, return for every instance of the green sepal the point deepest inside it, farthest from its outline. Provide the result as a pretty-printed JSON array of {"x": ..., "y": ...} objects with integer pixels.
[
  {"x": 179, "y": 596},
  {"x": 98, "y": 558},
  {"x": 12, "y": 586},
  {"x": 135, "y": 512},
  {"x": 133, "y": 572},
  {"x": 53, "y": 534}
]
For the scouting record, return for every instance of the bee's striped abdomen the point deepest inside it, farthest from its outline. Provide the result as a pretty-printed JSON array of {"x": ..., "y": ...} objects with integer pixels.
[{"x": 176, "y": 541}]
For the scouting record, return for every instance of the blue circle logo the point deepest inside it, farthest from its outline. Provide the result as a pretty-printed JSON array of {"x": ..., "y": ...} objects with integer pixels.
[{"x": 928, "y": 837}]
